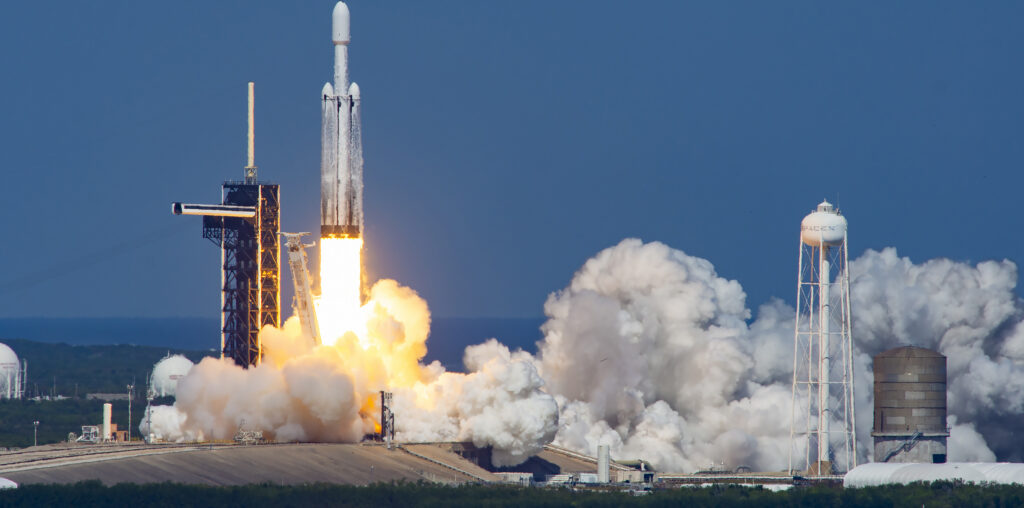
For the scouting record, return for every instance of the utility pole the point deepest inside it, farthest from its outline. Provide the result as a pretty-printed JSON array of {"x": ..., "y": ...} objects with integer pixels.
[
  {"x": 35, "y": 433},
  {"x": 130, "y": 387}
]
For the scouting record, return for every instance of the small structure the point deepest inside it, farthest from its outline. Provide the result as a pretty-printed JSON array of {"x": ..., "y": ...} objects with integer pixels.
[
  {"x": 910, "y": 406},
  {"x": 248, "y": 437},
  {"x": 878, "y": 473},
  {"x": 106, "y": 396},
  {"x": 93, "y": 434},
  {"x": 516, "y": 478},
  {"x": 90, "y": 434},
  {"x": 387, "y": 419}
]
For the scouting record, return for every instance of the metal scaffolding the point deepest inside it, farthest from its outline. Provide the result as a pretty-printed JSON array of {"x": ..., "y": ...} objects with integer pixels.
[
  {"x": 246, "y": 226},
  {"x": 251, "y": 268}
]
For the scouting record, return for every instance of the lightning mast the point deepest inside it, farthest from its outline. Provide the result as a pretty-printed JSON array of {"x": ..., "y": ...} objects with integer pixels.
[
  {"x": 245, "y": 225},
  {"x": 822, "y": 348}
]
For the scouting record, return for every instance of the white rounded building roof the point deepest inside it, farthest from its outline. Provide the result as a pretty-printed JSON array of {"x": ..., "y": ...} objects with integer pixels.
[
  {"x": 890, "y": 473},
  {"x": 8, "y": 360},
  {"x": 166, "y": 374},
  {"x": 823, "y": 227}
]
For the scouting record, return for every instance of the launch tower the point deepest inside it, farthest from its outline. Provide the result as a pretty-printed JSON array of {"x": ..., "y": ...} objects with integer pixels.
[
  {"x": 822, "y": 348},
  {"x": 246, "y": 227}
]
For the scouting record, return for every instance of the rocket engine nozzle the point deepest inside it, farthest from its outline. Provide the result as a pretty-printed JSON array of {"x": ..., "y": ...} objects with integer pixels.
[{"x": 348, "y": 231}]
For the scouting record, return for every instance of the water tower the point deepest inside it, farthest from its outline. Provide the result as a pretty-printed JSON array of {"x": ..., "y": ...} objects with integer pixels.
[{"x": 822, "y": 425}]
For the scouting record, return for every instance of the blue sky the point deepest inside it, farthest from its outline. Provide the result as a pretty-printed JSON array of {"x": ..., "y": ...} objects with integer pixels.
[{"x": 505, "y": 142}]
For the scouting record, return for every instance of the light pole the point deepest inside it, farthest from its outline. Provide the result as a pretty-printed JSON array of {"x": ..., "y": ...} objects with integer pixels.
[
  {"x": 130, "y": 387},
  {"x": 35, "y": 433}
]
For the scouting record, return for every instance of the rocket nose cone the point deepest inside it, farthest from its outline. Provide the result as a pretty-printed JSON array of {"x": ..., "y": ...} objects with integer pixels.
[
  {"x": 328, "y": 90},
  {"x": 340, "y": 24},
  {"x": 353, "y": 90}
]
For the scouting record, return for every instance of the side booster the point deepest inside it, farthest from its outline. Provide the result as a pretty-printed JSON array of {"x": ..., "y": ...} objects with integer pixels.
[{"x": 341, "y": 162}]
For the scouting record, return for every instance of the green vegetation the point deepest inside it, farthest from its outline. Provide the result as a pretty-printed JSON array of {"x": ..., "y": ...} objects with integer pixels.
[
  {"x": 74, "y": 372},
  {"x": 939, "y": 494},
  {"x": 59, "y": 417},
  {"x": 77, "y": 370}
]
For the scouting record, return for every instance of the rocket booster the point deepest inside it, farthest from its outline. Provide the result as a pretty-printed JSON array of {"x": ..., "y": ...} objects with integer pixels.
[{"x": 341, "y": 161}]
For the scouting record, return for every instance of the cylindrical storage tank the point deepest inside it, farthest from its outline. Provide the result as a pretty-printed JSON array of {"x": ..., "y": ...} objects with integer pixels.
[
  {"x": 823, "y": 227},
  {"x": 107, "y": 409},
  {"x": 603, "y": 457},
  {"x": 910, "y": 406}
]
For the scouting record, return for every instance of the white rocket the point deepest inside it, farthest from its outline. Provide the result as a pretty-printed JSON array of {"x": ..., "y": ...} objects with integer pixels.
[{"x": 341, "y": 161}]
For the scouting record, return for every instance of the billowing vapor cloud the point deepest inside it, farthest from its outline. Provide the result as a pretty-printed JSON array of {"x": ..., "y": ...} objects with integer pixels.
[
  {"x": 647, "y": 350},
  {"x": 968, "y": 313},
  {"x": 498, "y": 404},
  {"x": 330, "y": 393}
]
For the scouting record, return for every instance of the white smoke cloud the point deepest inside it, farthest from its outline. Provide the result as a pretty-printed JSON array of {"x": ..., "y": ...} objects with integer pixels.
[
  {"x": 498, "y": 404},
  {"x": 650, "y": 353},
  {"x": 968, "y": 313},
  {"x": 330, "y": 393},
  {"x": 647, "y": 350}
]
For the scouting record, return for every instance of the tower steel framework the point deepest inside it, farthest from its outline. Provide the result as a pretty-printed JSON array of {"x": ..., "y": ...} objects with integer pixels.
[
  {"x": 251, "y": 268},
  {"x": 246, "y": 226},
  {"x": 822, "y": 349}
]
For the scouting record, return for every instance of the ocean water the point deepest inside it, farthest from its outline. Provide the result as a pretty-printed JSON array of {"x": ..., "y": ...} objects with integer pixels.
[{"x": 448, "y": 336}]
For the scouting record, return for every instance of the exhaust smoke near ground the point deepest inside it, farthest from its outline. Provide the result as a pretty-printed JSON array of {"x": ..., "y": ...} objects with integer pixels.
[
  {"x": 330, "y": 392},
  {"x": 647, "y": 350}
]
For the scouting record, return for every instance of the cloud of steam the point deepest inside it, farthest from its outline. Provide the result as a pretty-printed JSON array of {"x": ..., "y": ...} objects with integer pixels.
[
  {"x": 330, "y": 393},
  {"x": 498, "y": 404},
  {"x": 968, "y": 313},
  {"x": 647, "y": 350}
]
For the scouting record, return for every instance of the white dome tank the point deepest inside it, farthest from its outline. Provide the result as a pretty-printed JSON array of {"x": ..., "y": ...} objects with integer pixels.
[
  {"x": 166, "y": 374},
  {"x": 823, "y": 227},
  {"x": 10, "y": 370}
]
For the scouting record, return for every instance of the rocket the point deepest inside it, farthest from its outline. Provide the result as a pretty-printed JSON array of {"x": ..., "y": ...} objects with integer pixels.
[{"x": 341, "y": 161}]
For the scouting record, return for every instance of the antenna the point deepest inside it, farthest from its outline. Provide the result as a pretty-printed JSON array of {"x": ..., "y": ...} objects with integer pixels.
[{"x": 250, "y": 169}]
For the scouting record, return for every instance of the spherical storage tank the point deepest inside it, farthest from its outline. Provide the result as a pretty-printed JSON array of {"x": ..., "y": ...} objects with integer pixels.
[
  {"x": 166, "y": 374},
  {"x": 823, "y": 227},
  {"x": 9, "y": 372}
]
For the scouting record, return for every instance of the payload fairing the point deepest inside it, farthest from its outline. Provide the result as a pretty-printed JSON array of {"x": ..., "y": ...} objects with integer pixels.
[{"x": 341, "y": 161}]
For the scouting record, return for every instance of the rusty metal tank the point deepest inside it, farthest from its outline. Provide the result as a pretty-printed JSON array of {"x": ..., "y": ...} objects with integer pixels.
[
  {"x": 910, "y": 406},
  {"x": 910, "y": 390}
]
